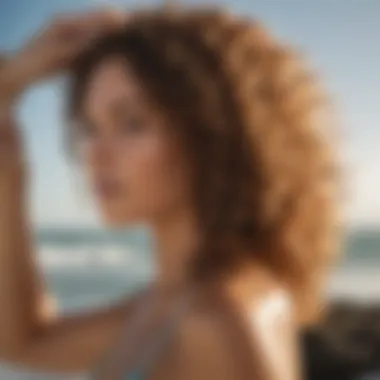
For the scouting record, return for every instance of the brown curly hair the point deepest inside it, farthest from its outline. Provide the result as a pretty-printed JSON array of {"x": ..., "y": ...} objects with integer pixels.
[{"x": 250, "y": 118}]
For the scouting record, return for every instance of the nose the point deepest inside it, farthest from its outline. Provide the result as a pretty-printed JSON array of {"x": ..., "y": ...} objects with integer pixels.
[{"x": 101, "y": 153}]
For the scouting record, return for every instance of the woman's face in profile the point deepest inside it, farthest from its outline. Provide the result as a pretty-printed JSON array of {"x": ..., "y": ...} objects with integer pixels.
[{"x": 133, "y": 164}]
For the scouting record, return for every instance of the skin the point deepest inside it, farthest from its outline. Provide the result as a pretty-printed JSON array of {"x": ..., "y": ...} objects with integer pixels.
[{"x": 238, "y": 327}]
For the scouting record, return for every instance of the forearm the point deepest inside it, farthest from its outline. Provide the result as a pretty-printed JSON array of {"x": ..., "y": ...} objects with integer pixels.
[
  {"x": 30, "y": 334},
  {"x": 20, "y": 284}
]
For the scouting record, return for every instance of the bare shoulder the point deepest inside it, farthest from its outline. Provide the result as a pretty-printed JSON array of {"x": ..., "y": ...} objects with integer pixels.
[
  {"x": 235, "y": 336},
  {"x": 274, "y": 334},
  {"x": 203, "y": 348},
  {"x": 270, "y": 324}
]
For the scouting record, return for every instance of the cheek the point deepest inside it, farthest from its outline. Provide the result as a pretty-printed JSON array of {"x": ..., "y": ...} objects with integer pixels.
[{"x": 156, "y": 174}]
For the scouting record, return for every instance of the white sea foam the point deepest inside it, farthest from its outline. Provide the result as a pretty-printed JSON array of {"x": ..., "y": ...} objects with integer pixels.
[
  {"x": 358, "y": 283},
  {"x": 349, "y": 281},
  {"x": 86, "y": 257}
]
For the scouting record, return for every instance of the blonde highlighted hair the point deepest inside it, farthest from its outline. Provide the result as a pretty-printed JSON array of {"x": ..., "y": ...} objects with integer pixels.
[{"x": 252, "y": 122}]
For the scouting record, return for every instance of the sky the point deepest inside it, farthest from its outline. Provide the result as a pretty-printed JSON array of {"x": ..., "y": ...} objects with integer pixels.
[{"x": 338, "y": 37}]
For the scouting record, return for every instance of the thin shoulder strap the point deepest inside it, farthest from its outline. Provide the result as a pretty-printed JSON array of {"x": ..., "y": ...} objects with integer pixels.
[
  {"x": 164, "y": 338},
  {"x": 108, "y": 358}
]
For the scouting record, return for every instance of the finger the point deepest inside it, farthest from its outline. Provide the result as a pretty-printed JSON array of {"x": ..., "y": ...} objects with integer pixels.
[
  {"x": 92, "y": 21},
  {"x": 83, "y": 28}
]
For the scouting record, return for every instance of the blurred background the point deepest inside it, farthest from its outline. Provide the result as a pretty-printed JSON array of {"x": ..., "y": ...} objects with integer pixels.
[{"x": 86, "y": 265}]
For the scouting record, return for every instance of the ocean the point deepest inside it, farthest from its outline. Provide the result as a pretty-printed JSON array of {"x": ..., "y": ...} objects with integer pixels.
[{"x": 85, "y": 268}]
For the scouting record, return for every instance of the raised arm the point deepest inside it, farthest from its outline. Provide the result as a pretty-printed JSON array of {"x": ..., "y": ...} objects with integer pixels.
[{"x": 31, "y": 332}]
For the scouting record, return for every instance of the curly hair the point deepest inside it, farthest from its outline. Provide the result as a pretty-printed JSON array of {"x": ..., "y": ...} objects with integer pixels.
[{"x": 251, "y": 122}]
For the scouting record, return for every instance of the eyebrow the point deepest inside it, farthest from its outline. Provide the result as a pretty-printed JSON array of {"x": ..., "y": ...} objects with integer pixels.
[
  {"x": 119, "y": 106},
  {"x": 124, "y": 105}
]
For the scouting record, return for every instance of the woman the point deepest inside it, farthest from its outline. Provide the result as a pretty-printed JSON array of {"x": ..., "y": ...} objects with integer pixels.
[{"x": 202, "y": 126}]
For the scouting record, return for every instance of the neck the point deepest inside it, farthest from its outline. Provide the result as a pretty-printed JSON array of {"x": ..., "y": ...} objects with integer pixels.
[{"x": 177, "y": 238}]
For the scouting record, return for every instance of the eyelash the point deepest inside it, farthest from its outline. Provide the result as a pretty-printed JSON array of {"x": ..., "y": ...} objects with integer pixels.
[
  {"x": 129, "y": 125},
  {"x": 132, "y": 124}
]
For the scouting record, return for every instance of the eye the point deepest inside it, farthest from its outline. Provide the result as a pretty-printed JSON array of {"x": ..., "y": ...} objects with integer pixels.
[{"x": 133, "y": 124}]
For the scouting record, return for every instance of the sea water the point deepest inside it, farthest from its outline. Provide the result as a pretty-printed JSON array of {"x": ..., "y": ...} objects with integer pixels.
[{"x": 86, "y": 268}]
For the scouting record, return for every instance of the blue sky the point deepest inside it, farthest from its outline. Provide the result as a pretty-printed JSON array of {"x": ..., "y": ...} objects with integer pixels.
[{"x": 339, "y": 37}]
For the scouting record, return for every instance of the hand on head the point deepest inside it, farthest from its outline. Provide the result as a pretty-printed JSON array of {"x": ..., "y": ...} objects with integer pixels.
[{"x": 52, "y": 50}]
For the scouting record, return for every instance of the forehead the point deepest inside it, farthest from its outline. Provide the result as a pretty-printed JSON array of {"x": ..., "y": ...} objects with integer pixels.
[{"x": 111, "y": 80}]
